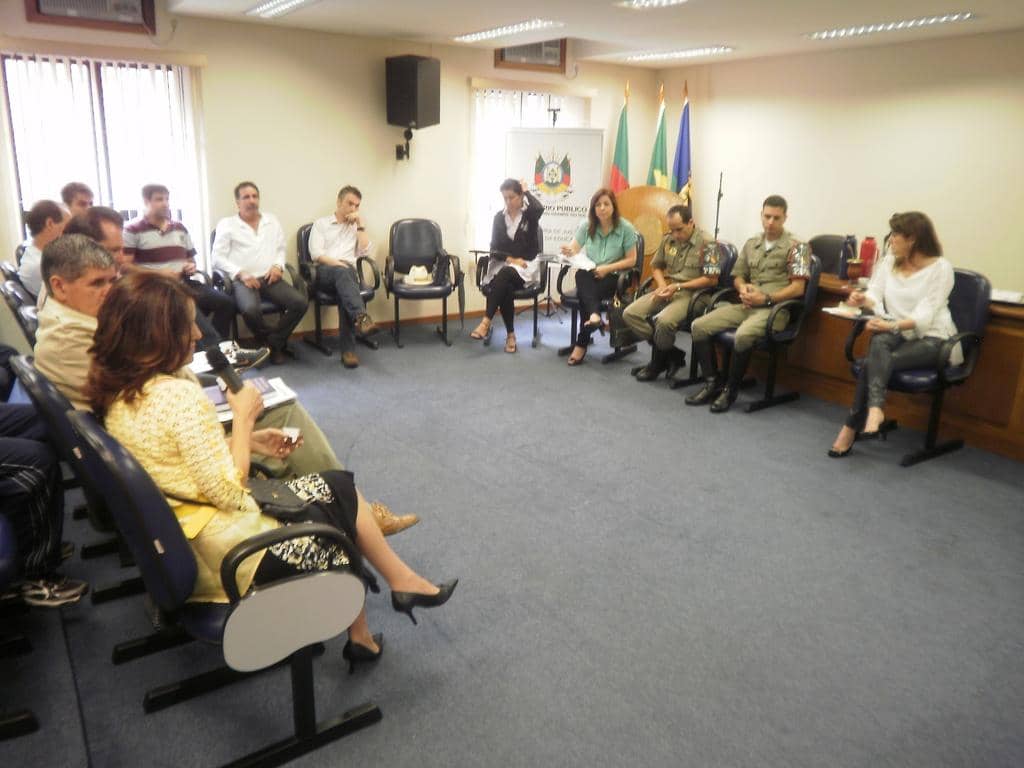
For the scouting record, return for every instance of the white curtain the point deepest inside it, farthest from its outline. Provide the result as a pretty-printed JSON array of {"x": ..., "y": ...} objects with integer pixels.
[
  {"x": 113, "y": 125},
  {"x": 495, "y": 111}
]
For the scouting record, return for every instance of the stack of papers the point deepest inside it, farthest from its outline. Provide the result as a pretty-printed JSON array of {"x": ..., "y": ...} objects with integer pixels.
[
  {"x": 843, "y": 310},
  {"x": 579, "y": 261},
  {"x": 275, "y": 392}
]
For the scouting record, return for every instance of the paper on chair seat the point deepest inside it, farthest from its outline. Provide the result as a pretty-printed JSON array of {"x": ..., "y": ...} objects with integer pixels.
[{"x": 275, "y": 620}]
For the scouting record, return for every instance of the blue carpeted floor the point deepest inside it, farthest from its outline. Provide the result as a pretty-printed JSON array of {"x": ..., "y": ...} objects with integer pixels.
[{"x": 641, "y": 583}]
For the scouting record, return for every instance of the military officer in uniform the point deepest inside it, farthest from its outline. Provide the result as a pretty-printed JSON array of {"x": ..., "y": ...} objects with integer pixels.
[
  {"x": 769, "y": 270},
  {"x": 678, "y": 269}
]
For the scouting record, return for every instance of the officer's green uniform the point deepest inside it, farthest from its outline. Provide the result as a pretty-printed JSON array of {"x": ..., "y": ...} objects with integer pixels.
[
  {"x": 682, "y": 261},
  {"x": 769, "y": 271}
]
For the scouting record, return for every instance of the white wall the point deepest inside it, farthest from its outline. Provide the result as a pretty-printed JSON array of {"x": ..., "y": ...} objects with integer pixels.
[{"x": 849, "y": 137}]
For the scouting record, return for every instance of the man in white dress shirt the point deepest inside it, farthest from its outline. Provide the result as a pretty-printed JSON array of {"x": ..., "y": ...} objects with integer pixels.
[
  {"x": 45, "y": 222},
  {"x": 335, "y": 243},
  {"x": 250, "y": 248}
]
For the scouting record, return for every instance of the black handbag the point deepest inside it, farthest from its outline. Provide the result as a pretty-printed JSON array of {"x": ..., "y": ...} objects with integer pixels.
[
  {"x": 276, "y": 499},
  {"x": 619, "y": 334}
]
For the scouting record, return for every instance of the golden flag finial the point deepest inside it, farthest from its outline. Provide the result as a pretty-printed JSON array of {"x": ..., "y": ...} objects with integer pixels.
[
  {"x": 661, "y": 92},
  {"x": 627, "y": 91}
]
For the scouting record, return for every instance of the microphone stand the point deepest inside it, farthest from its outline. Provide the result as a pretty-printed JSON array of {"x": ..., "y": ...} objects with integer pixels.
[{"x": 718, "y": 205}]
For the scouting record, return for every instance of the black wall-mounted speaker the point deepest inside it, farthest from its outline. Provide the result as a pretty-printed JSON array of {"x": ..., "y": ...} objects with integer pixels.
[{"x": 414, "y": 91}]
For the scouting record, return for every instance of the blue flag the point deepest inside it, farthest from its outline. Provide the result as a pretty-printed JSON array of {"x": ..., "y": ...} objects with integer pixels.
[{"x": 681, "y": 167}]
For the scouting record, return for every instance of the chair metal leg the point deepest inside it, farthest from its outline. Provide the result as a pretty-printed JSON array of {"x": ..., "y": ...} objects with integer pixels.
[
  {"x": 150, "y": 644},
  {"x": 536, "y": 328},
  {"x": 770, "y": 399},
  {"x": 318, "y": 331},
  {"x": 101, "y": 548},
  {"x": 563, "y": 351},
  {"x": 396, "y": 328},
  {"x": 309, "y": 734},
  {"x": 932, "y": 447},
  {"x": 619, "y": 353},
  {"x": 116, "y": 591},
  {"x": 693, "y": 378},
  {"x": 443, "y": 330},
  {"x": 368, "y": 342}
]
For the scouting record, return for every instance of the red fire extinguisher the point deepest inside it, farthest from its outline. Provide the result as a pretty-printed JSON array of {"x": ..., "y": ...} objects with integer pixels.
[{"x": 868, "y": 252}]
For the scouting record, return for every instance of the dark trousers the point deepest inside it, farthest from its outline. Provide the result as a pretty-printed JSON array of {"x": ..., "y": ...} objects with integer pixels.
[
  {"x": 31, "y": 494},
  {"x": 888, "y": 352},
  {"x": 344, "y": 281},
  {"x": 215, "y": 311},
  {"x": 282, "y": 295},
  {"x": 592, "y": 291},
  {"x": 501, "y": 295}
]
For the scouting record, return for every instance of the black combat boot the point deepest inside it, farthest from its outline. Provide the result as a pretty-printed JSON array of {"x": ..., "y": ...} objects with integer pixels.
[
  {"x": 737, "y": 370},
  {"x": 654, "y": 369},
  {"x": 712, "y": 383}
]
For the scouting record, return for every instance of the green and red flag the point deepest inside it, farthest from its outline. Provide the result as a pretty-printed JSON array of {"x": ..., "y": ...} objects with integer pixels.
[{"x": 620, "y": 161}]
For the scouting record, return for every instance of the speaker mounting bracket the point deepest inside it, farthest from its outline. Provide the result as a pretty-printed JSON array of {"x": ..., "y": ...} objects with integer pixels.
[{"x": 402, "y": 151}]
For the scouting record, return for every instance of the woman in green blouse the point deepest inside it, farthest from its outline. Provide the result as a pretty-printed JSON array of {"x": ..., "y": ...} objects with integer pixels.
[{"x": 610, "y": 242}]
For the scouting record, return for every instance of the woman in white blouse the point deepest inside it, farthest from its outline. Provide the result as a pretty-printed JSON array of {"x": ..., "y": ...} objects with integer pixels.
[{"x": 909, "y": 295}]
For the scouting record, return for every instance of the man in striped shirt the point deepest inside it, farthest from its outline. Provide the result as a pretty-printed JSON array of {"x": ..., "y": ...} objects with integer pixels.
[{"x": 156, "y": 241}]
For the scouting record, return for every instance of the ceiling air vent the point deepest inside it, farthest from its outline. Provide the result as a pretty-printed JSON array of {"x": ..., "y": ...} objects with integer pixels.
[
  {"x": 123, "y": 11},
  {"x": 547, "y": 56}
]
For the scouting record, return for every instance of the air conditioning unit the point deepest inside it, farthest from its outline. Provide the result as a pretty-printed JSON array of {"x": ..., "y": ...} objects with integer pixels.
[
  {"x": 545, "y": 54},
  {"x": 118, "y": 11}
]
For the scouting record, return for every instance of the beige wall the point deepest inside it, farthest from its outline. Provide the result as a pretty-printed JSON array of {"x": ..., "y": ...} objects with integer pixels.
[
  {"x": 849, "y": 137},
  {"x": 302, "y": 113}
]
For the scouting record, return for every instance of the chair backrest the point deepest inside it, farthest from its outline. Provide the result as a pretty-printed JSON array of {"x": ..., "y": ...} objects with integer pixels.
[
  {"x": 639, "y": 265},
  {"x": 28, "y": 319},
  {"x": 15, "y": 292},
  {"x": 18, "y": 253},
  {"x": 146, "y": 523},
  {"x": 968, "y": 304},
  {"x": 811, "y": 291},
  {"x": 829, "y": 250},
  {"x": 10, "y": 271},
  {"x": 53, "y": 408},
  {"x": 727, "y": 256},
  {"x": 414, "y": 243},
  {"x": 302, "y": 251}
]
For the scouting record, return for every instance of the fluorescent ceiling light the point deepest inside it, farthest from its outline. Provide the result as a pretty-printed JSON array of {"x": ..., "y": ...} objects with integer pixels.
[
  {"x": 272, "y": 8},
  {"x": 509, "y": 29},
  {"x": 710, "y": 50},
  {"x": 890, "y": 26},
  {"x": 644, "y": 5}
]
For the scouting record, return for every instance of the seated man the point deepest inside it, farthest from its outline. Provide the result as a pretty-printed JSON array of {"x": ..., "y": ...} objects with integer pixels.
[
  {"x": 32, "y": 498},
  {"x": 77, "y": 197},
  {"x": 678, "y": 269},
  {"x": 45, "y": 223},
  {"x": 335, "y": 242},
  {"x": 156, "y": 241},
  {"x": 764, "y": 275},
  {"x": 79, "y": 274},
  {"x": 249, "y": 247}
]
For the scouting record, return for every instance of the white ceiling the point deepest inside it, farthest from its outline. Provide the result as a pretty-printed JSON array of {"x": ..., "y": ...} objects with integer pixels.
[{"x": 604, "y": 31}]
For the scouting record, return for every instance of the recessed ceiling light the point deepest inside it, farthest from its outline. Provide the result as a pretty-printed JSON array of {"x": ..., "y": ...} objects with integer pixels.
[
  {"x": 645, "y": 5},
  {"x": 710, "y": 50},
  {"x": 272, "y": 8},
  {"x": 509, "y": 29},
  {"x": 889, "y": 26}
]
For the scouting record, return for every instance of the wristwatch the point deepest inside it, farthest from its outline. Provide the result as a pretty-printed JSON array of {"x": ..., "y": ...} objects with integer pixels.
[{"x": 768, "y": 301}]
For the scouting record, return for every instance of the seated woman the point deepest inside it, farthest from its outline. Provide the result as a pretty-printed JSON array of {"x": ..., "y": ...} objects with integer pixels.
[
  {"x": 610, "y": 242},
  {"x": 909, "y": 294},
  {"x": 146, "y": 333},
  {"x": 516, "y": 235}
]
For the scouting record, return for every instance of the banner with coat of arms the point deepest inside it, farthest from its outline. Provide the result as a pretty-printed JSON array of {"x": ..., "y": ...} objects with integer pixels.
[{"x": 562, "y": 168}]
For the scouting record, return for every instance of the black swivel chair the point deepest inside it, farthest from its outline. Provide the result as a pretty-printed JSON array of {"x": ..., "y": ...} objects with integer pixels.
[
  {"x": 223, "y": 282},
  {"x": 19, "y": 251},
  {"x": 328, "y": 297},
  {"x": 417, "y": 243},
  {"x": 829, "y": 250},
  {"x": 285, "y": 621},
  {"x": 10, "y": 271},
  {"x": 774, "y": 342},
  {"x": 625, "y": 291},
  {"x": 968, "y": 303},
  {"x": 15, "y": 722},
  {"x": 526, "y": 293},
  {"x": 53, "y": 407}
]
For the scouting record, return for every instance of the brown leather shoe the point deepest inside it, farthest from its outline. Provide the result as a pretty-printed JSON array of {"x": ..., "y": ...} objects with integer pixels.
[
  {"x": 389, "y": 522},
  {"x": 365, "y": 326},
  {"x": 278, "y": 357},
  {"x": 349, "y": 360}
]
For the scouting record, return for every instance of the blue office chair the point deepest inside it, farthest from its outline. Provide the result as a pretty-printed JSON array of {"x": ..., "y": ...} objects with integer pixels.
[
  {"x": 18, "y": 722},
  {"x": 417, "y": 243},
  {"x": 328, "y": 297},
  {"x": 829, "y": 250},
  {"x": 526, "y": 293},
  {"x": 774, "y": 342},
  {"x": 23, "y": 307},
  {"x": 968, "y": 304},
  {"x": 625, "y": 291},
  {"x": 282, "y": 621}
]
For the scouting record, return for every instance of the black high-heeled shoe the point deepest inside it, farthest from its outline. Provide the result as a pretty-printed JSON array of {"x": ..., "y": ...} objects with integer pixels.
[
  {"x": 404, "y": 602},
  {"x": 834, "y": 454},
  {"x": 355, "y": 653},
  {"x": 591, "y": 326}
]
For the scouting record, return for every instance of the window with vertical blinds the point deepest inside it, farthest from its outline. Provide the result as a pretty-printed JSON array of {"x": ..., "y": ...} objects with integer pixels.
[{"x": 113, "y": 125}]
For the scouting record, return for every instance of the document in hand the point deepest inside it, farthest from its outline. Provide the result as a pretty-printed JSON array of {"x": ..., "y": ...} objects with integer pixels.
[
  {"x": 275, "y": 392},
  {"x": 579, "y": 261}
]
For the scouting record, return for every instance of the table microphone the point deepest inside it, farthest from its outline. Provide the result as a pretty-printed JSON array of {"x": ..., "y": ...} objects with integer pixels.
[{"x": 222, "y": 368}]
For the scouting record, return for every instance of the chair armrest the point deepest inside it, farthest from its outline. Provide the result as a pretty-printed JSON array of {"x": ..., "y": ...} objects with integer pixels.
[
  {"x": 719, "y": 296},
  {"x": 456, "y": 268},
  {"x": 222, "y": 282},
  {"x": 858, "y": 328},
  {"x": 695, "y": 299},
  {"x": 480, "y": 260},
  {"x": 970, "y": 360},
  {"x": 795, "y": 320},
  {"x": 561, "y": 277},
  {"x": 624, "y": 279},
  {"x": 308, "y": 271},
  {"x": 389, "y": 274},
  {"x": 645, "y": 286},
  {"x": 373, "y": 271},
  {"x": 297, "y": 281},
  {"x": 238, "y": 553},
  {"x": 201, "y": 277}
]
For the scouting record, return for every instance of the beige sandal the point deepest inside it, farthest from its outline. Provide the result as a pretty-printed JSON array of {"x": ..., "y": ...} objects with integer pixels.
[
  {"x": 510, "y": 343},
  {"x": 480, "y": 332}
]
